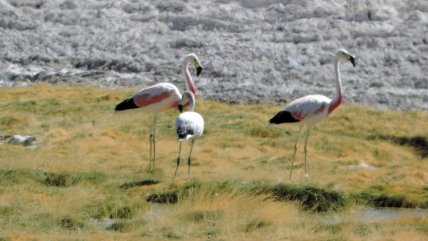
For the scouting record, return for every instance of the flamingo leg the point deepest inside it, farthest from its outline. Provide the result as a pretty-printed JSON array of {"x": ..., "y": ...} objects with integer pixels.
[
  {"x": 295, "y": 150},
  {"x": 189, "y": 160},
  {"x": 178, "y": 160},
  {"x": 153, "y": 144},
  {"x": 306, "y": 151}
]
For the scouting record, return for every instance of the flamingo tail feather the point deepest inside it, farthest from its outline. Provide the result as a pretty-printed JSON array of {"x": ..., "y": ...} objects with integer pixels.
[
  {"x": 283, "y": 117},
  {"x": 125, "y": 105}
]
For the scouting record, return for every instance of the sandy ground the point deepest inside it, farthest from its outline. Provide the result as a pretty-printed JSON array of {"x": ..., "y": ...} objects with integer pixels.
[{"x": 252, "y": 50}]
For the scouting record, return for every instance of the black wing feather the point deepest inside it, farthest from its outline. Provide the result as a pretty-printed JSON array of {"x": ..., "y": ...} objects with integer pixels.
[
  {"x": 283, "y": 117},
  {"x": 125, "y": 105},
  {"x": 183, "y": 131}
]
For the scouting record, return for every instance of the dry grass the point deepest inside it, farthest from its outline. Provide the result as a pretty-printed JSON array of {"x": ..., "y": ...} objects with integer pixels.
[{"x": 86, "y": 153}]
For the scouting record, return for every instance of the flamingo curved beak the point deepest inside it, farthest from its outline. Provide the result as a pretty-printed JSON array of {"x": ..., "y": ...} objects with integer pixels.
[
  {"x": 352, "y": 59},
  {"x": 198, "y": 70},
  {"x": 180, "y": 108}
]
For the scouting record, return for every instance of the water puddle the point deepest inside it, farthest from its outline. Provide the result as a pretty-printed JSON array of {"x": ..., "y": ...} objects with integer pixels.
[{"x": 375, "y": 215}]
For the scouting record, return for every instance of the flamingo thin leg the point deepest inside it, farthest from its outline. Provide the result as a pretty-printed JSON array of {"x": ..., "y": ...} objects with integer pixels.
[
  {"x": 178, "y": 160},
  {"x": 189, "y": 160},
  {"x": 306, "y": 143},
  {"x": 295, "y": 150},
  {"x": 153, "y": 144}
]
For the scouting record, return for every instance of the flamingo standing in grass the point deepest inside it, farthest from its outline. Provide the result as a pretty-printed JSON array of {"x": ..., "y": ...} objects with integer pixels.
[
  {"x": 312, "y": 109},
  {"x": 189, "y": 125},
  {"x": 160, "y": 98}
]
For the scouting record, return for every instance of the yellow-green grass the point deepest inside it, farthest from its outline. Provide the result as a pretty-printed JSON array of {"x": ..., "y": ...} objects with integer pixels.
[{"x": 91, "y": 164}]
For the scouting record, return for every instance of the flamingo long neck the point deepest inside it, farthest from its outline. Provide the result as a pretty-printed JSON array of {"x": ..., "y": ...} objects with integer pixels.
[
  {"x": 191, "y": 104},
  {"x": 338, "y": 100},
  {"x": 188, "y": 78},
  {"x": 189, "y": 99}
]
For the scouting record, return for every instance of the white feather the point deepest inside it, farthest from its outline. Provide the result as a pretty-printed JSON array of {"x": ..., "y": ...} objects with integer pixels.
[{"x": 189, "y": 125}]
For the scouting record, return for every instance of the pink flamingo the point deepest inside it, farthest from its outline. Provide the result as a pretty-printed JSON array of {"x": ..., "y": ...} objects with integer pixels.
[
  {"x": 160, "y": 98},
  {"x": 312, "y": 109}
]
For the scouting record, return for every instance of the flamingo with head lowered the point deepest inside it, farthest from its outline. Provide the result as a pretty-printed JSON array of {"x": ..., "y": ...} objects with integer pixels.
[
  {"x": 189, "y": 125},
  {"x": 311, "y": 109},
  {"x": 160, "y": 98}
]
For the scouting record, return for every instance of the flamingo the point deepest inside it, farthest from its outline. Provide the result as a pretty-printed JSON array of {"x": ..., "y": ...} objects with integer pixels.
[
  {"x": 189, "y": 125},
  {"x": 160, "y": 98},
  {"x": 311, "y": 109}
]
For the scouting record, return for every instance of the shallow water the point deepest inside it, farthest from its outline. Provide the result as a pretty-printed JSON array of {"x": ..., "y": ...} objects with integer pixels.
[
  {"x": 375, "y": 215},
  {"x": 380, "y": 214}
]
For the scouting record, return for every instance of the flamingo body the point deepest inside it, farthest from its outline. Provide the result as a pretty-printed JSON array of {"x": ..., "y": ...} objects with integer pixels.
[
  {"x": 307, "y": 110},
  {"x": 160, "y": 98},
  {"x": 189, "y": 125},
  {"x": 311, "y": 109},
  {"x": 154, "y": 99}
]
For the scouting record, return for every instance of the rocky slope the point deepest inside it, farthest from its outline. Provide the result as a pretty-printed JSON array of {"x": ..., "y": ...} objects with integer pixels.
[{"x": 252, "y": 50}]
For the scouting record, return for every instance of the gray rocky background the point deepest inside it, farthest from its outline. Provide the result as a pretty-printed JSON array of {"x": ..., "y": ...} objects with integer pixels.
[{"x": 252, "y": 50}]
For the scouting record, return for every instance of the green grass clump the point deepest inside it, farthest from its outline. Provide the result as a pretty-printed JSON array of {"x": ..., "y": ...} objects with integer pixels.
[
  {"x": 111, "y": 209},
  {"x": 119, "y": 226},
  {"x": 165, "y": 197},
  {"x": 199, "y": 216},
  {"x": 70, "y": 223},
  {"x": 53, "y": 179},
  {"x": 9, "y": 120},
  {"x": 385, "y": 200},
  {"x": 418, "y": 143},
  {"x": 24, "y": 106},
  {"x": 254, "y": 225},
  {"x": 311, "y": 197},
  {"x": 145, "y": 182}
]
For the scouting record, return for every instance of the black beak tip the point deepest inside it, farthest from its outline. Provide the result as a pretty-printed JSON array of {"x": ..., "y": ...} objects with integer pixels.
[
  {"x": 180, "y": 108},
  {"x": 352, "y": 59},
  {"x": 198, "y": 70}
]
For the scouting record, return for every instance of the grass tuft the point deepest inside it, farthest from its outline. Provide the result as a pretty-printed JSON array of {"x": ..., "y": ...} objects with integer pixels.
[
  {"x": 257, "y": 187},
  {"x": 385, "y": 200},
  {"x": 331, "y": 228},
  {"x": 167, "y": 197},
  {"x": 311, "y": 197},
  {"x": 111, "y": 210},
  {"x": 70, "y": 224},
  {"x": 362, "y": 230},
  {"x": 9, "y": 121},
  {"x": 204, "y": 216},
  {"x": 50, "y": 179},
  {"x": 118, "y": 227},
  {"x": 55, "y": 180},
  {"x": 255, "y": 225},
  {"x": 146, "y": 182},
  {"x": 418, "y": 143}
]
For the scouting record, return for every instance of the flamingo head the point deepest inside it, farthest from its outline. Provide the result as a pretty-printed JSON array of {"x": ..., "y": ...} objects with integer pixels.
[
  {"x": 344, "y": 55},
  {"x": 186, "y": 99},
  {"x": 194, "y": 60}
]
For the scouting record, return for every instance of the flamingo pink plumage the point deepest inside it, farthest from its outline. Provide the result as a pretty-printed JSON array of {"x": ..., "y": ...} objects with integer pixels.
[
  {"x": 160, "y": 98},
  {"x": 312, "y": 109}
]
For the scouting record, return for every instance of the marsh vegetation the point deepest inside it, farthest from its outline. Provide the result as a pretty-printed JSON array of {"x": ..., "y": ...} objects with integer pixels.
[{"x": 88, "y": 180}]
